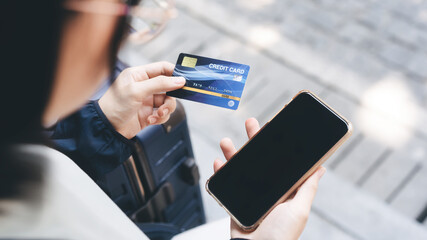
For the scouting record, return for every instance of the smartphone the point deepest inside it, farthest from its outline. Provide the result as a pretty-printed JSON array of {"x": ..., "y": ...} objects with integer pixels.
[{"x": 278, "y": 159}]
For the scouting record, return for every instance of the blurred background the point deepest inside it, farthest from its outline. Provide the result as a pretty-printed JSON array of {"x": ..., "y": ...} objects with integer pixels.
[{"x": 367, "y": 59}]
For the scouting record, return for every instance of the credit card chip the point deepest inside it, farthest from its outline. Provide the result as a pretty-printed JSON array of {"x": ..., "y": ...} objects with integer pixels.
[{"x": 189, "y": 62}]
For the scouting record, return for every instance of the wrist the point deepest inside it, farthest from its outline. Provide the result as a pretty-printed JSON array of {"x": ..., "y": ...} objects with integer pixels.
[{"x": 106, "y": 108}]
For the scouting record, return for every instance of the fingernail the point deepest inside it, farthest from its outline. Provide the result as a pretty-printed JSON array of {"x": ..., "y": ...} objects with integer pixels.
[
  {"x": 165, "y": 112},
  {"x": 179, "y": 80},
  {"x": 152, "y": 120},
  {"x": 321, "y": 172}
]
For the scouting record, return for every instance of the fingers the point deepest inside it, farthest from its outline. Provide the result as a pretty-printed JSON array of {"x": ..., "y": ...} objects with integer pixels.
[
  {"x": 164, "y": 111},
  {"x": 153, "y": 119},
  {"x": 154, "y": 69},
  {"x": 162, "y": 114},
  {"x": 305, "y": 195},
  {"x": 227, "y": 148},
  {"x": 217, "y": 164},
  {"x": 158, "y": 100},
  {"x": 153, "y": 78},
  {"x": 162, "y": 101},
  {"x": 168, "y": 107},
  {"x": 252, "y": 127},
  {"x": 157, "y": 85}
]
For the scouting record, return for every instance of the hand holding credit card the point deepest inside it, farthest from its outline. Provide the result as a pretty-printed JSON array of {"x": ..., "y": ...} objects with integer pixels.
[{"x": 211, "y": 81}]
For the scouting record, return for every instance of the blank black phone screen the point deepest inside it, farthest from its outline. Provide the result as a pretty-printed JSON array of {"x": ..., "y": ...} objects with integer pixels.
[{"x": 276, "y": 158}]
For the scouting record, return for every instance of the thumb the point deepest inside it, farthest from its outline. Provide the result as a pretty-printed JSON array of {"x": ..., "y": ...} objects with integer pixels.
[{"x": 159, "y": 84}]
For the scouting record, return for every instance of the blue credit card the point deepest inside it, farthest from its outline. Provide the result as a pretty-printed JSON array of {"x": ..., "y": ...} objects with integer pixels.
[{"x": 211, "y": 81}]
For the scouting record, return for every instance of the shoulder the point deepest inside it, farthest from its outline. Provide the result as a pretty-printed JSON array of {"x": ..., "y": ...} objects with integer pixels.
[{"x": 71, "y": 203}]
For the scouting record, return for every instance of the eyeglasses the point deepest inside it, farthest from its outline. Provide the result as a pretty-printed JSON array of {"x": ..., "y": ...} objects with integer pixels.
[{"x": 147, "y": 19}]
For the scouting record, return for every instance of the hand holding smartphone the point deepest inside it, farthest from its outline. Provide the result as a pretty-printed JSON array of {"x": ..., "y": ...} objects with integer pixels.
[{"x": 278, "y": 159}]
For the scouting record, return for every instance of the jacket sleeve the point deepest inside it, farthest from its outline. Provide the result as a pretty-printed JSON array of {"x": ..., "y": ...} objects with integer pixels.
[{"x": 89, "y": 139}]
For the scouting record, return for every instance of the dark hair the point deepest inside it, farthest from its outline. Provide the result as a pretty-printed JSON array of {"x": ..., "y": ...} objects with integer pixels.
[
  {"x": 29, "y": 43},
  {"x": 29, "y": 49}
]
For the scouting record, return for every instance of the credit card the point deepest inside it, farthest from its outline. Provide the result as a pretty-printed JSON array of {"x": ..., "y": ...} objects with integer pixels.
[{"x": 211, "y": 81}]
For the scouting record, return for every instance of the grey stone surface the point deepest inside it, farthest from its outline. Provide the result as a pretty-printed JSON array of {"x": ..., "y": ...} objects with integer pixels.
[
  {"x": 327, "y": 21},
  {"x": 361, "y": 215},
  {"x": 318, "y": 228},
  {"x": 344, "y": 7},
  {"x": 395, "y": 169},
  {"x": 354, "y": 32},
  {"x": 375, "y": 16},
  {"x": 412, "y": 200},
  {"x": 418, "y": 64},
  {"x": 395, "y": 54},
  {"x": 403, "y": 31},
  {"x": 360, "y": 159}
]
